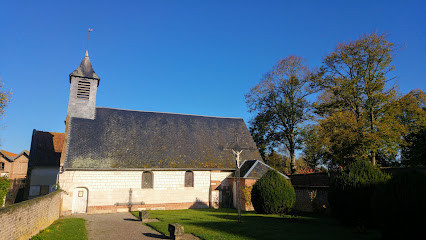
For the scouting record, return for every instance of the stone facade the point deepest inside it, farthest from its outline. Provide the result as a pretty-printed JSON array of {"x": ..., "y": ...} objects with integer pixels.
[
  {"x": 112, "y": 191},
  {"x": 22, "y": 220}
]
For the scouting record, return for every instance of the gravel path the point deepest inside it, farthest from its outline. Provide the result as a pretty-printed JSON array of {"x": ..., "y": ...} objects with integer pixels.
[{"x": 122, "y": 226}]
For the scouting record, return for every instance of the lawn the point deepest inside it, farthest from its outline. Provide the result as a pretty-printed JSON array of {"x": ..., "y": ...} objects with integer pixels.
[
  {"x": 64, "y": 229},
  {"x": 223, "y": 224}
]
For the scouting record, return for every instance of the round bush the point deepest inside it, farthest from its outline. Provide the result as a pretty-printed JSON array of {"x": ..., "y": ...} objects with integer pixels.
[
  {"x": 400, "y": 206},
  {"x": 351, "y": 192},
  {"x": 273, "y": 194}
]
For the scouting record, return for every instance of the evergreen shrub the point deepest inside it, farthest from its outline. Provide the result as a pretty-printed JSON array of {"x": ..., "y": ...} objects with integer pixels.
[
  {"x": 351, "y": 192},
  {"x": 273, "y": 194},
  {"x": 400, "y": 206}
]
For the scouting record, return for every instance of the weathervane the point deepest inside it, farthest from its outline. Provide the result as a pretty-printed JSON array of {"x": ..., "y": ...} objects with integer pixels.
[{"x": 88, "y": 31}]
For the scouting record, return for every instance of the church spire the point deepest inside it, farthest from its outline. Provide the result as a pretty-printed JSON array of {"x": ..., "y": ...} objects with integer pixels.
[{"x": 85, "y": 70}]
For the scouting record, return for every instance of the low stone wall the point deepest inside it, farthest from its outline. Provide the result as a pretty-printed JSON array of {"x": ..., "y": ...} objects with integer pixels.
[
  {"x": 22, "y": 220},
  {"x": 311, "y": 198}
]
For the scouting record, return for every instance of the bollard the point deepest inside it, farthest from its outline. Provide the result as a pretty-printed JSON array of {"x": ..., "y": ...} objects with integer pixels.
[
  {"x": 176, "y": 231},
  {"x": 144, "y": 216}
]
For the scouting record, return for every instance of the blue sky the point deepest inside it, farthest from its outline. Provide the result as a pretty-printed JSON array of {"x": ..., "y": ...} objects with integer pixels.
[{"x": 194, "y": 57}]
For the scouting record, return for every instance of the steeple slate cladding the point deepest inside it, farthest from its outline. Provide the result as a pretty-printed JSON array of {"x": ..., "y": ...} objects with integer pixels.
[{"x": 84, "y": 83}]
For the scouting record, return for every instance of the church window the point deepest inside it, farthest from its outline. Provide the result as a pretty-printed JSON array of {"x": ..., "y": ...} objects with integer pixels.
[
  {"x": 147, "y": 180},
  {"x": 83, "y": 89},
  {"x": 1, "y": 166},
  {"x": 189, "y": 179}
]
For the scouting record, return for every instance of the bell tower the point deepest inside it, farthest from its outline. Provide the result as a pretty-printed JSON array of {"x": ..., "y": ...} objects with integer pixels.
[{"x": 84, "y": 84}]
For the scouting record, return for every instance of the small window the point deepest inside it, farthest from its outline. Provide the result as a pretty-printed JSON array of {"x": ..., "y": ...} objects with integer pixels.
[
  {"x": 189, "y": 179},
  {"x": 83, "y": 89},
  {"x": 2, "y": 166},
  {"x": 147, "y": 180}
]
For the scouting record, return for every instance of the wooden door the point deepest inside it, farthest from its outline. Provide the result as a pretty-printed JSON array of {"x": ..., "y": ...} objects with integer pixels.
[{"x": 79, "y": 200}]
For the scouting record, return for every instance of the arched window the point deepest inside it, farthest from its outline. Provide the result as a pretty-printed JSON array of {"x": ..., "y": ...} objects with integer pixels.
[
  {"x": 147, "y": 180},
  {"x": 189, "y": 179}
]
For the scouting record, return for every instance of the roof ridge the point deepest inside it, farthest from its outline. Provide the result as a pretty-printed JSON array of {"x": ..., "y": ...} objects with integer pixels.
[{"x": 185, "y": 114}]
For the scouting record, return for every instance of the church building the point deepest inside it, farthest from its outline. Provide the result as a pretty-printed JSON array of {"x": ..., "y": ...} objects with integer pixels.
[{"x": 112, "y": 160}]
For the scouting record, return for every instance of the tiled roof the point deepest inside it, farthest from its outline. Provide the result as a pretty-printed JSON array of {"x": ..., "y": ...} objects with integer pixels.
[
  {"x": 136, "y": 139},
  {"x": 255, "y": 169},
  {"x": 46, "y": 148},
  {"x": 12, "y": 156},
  {"x": 9, "y": 154}
]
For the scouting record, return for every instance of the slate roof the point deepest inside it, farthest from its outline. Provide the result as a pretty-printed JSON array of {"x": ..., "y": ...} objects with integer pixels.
[
  {"x": 124, "y": 139},
  {"x": 46, "y": 148},
  {"x": 11, "y": 157},
  {"x": 255, "y": 169},
  {"x": 85, "y": 69}
]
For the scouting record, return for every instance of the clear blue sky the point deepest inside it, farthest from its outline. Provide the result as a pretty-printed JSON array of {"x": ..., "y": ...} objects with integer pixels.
[{"x": 195, "y": 57}]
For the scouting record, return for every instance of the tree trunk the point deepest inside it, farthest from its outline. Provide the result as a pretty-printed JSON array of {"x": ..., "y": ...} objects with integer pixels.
[
  {"x": 292, "y": 161},
  {"x": 373, "y": 158}
]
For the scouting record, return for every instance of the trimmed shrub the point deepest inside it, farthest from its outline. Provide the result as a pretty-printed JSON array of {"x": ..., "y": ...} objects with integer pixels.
[
  {"x": 351, "y": 192},
  {"x": 400, "y": 206},
  {"x": 273, "y": 194}
]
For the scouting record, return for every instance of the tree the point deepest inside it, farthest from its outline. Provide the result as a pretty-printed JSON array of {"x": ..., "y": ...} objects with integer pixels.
[
  {"x": 281, "y": 106},
  {"x": 4, "y": 188},
  {"x": 4, "y": 99},
  {"x": 356, "y": 106},
  {"x": 412, "y": 115}
]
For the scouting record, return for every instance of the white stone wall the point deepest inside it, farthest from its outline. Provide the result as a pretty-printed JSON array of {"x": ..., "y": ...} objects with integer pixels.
[
  {"x": 108, "y": 188},
  {"x": 221, "y": 176}
]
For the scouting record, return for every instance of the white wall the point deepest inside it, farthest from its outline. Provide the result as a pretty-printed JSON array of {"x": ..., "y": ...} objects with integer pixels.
[{"x": 108, "y": 188}]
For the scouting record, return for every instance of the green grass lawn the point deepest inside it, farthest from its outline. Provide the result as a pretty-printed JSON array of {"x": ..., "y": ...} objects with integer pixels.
[
  {"x": 223, "y": 224},
  {"x": 64, "y": 229}
]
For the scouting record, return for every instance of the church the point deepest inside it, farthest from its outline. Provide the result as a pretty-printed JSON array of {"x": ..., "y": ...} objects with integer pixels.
[{"x": 112, "y": 160}]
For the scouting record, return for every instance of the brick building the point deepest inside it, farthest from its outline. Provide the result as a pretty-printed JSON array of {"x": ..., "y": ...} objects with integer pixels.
[
  {"x": 14, "y": 167},
  {"x": 115, "y": 159}
]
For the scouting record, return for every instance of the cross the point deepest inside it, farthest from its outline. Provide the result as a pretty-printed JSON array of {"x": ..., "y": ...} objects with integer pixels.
[
  {"x": 88, "y": 31},
  {"x": 237, "y": 150}
]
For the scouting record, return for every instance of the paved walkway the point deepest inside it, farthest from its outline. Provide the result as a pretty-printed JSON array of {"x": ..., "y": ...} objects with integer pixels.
[{"x": 122, "y": 226}]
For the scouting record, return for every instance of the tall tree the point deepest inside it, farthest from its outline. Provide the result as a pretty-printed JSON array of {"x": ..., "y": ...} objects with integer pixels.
[
  {"x": 412, "y": 115},
  {"x": 354, "y": 80},
  {"x": 4, "y": 99},
  {"x": 281, "y": 105}
]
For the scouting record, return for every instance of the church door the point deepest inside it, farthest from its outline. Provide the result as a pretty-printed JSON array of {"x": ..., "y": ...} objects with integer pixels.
[{"x": 79, "y": 200}]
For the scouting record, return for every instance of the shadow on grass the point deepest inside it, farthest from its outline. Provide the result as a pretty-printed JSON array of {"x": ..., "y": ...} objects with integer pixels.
[{"x": 254, "y": 226}]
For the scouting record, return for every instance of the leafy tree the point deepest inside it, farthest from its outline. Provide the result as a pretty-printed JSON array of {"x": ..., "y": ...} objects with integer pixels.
[
  {"x": 4, "y": 99},
  {"x": 277, "y": 161},
  {"x": 413, "y": 116},
  {"x": 4, "y": 187},
  {"x": 281, "y": 106},
  {"x": 351, "y": 192},
  {"x": 356, "y": 106}
]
